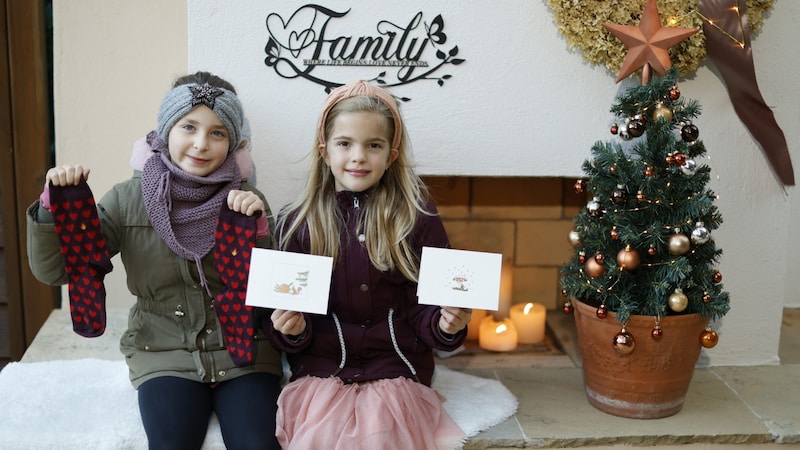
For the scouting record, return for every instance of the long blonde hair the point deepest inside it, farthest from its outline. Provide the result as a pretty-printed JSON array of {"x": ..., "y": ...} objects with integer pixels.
[{"x": 390, "y": 213}]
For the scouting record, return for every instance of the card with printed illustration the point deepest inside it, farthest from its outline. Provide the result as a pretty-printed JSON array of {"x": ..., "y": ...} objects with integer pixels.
[
  {"x": 461, "y": 278},
  {"x": 290, "y": 281}
]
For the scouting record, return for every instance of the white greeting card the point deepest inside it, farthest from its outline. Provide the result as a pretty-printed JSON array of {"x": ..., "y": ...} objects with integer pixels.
[
  {"x": 290, "y": 281},
  {"x": 461, "y": 278}
]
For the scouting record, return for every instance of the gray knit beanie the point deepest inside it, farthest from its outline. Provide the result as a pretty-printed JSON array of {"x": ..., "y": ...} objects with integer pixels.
[{"x": 184, "y": 98}]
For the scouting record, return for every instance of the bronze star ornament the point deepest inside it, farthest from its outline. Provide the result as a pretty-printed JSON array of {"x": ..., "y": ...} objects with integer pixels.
[{"x": 648, "y": 44}]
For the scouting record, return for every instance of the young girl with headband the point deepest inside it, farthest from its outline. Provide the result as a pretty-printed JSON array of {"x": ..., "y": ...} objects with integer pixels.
[{"x": 361, "y": 374}]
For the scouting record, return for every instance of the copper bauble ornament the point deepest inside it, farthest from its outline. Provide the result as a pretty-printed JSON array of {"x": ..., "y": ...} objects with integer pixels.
[
  {"x": 567, "y": 309},
  {"x": 599, "y": 257},
  {"x": 579, "y": 187},
  {"x": 593, "y": 268},
  {"x": 669, "y": 159},
  {"x": 640, "y": 196},
  {"x": 680, "y": 158},
  {"x": 717, "y": 277},
  {"x": 636, "y": 127},
  {"x": 706, "y": 297},
  {"x": 674, "y": 93},
  {"x": 662, "y": 112},
  {"x": 709, "y": 338},
  {"x": 649, "y": 172},
  {"x": 602, "y": 312},
  {"x": 679, "y": 244},
  {"x": 628, "y": 258},
  {"x": 678, "y": 301},
  {"x": 623, "y": 343},
  {"x": 700, "y": 234},
  {"x": 574, "y": 238},
  {"x": 614, "y": 233},
  {"x": 652, "y": 251},
  {"x": 619, "y": 195},
  {"x": 581, "y": 257},
  {"x": 657, "y": 332},
  {"x": 614, "y": 129},
  {"x": 689, "y": 133}
]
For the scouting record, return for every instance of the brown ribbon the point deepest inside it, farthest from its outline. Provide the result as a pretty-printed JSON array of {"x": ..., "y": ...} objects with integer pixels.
[{"x": 736, "y": 66}]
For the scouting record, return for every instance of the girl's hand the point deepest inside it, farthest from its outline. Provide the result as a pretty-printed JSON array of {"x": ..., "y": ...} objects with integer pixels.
[
  {"x": 453, "y": 319},
  {"x": 65, "y": 175},
  {"x": 291, "y": 323},
  {"x": 245, "y": 202}
]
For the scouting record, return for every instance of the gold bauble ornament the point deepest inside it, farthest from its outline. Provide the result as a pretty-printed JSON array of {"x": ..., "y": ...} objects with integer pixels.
[
  {"x": 593, "y": 268},
  {"x": 678, "y": 301},
  {"x": 679, "y": 244},
  {"x": 709, "y": 338},
  {"x": 662, "y": 112},
  {"x": 628, "y": 258}
]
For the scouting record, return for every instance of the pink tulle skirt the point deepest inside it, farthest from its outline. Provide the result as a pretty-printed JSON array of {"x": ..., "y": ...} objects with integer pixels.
[{"x": 397, "y": 413}]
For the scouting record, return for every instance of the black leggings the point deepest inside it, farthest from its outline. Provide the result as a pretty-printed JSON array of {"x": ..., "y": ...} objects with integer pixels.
[{"x": 175, "y": 412}]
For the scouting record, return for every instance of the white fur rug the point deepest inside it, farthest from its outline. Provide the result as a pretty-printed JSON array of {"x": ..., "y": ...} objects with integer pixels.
[{"x": 90, "y": 404}]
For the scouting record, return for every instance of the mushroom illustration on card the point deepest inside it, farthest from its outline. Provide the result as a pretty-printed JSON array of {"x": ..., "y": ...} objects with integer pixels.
[{"x": 460, "y": 278}]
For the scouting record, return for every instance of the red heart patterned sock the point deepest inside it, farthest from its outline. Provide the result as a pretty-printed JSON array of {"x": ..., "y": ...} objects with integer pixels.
[
  {"x": 86, "y": 259},
  {"x": 234, "y": 240}
]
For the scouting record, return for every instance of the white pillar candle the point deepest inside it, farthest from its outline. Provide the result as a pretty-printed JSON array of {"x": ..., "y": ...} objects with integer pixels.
[
  {"x": 529, "y": 319},
  {"x": 497, "y": 336}
]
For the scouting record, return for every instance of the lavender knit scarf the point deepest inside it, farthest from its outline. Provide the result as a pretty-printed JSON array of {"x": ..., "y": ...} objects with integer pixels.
[{"x": 184, "y": 208}]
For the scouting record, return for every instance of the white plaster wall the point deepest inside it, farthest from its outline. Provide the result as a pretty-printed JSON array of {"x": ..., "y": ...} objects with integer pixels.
[
  {"x": 112, "y": 63},
  {"x": 522, "y": 104}
]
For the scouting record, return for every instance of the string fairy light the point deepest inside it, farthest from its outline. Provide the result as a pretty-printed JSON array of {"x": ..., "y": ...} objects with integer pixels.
[{"x": 739, "y": 42}]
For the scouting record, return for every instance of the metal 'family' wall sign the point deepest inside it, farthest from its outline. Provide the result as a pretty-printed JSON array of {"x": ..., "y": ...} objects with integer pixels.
[{"x": 401, "y": 53}]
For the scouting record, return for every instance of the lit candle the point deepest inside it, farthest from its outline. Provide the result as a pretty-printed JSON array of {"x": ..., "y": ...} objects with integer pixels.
[
  {"x": 474, "y": 326},
  {"x": 497, "y": 336},
  {"x": 529, "y": 319}
]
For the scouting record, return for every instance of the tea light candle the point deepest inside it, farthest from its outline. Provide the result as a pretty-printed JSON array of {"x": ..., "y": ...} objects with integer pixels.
[
  {"x": 473, "y": 329},
  {"x": 497, "y": 336},
  {"x": 529, "y": 319}
]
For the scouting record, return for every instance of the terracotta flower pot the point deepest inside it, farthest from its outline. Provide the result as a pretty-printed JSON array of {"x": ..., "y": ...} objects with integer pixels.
[{"x": 652, "y": 380}]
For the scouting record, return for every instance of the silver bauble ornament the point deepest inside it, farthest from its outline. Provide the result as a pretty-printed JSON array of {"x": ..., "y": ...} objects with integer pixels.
[
  {"x": 700, "y": 234},
  {"x": 689, "y": 167},
  {"x": 575, "y": 238}
]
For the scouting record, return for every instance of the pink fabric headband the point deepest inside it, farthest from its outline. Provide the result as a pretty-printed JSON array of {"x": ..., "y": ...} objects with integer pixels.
[{"x": 357, "y": 89}]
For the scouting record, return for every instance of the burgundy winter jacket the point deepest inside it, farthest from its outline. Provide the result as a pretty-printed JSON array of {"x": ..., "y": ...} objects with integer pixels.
[{"x": 364, "y": 300}]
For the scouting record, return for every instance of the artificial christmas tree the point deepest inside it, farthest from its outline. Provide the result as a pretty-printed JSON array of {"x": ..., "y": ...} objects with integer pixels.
[{"x": 645, "y": 257}]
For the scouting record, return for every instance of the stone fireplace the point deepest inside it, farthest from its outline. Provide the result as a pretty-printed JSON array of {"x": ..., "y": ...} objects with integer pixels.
[{"x": 527, "y": 219}]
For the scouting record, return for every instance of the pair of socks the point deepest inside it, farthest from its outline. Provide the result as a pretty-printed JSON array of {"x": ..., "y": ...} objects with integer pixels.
[
  {"x": 86, "y": 258},
  {"x": 235, "y": 238},
  {"x": 86, "y": 262}
]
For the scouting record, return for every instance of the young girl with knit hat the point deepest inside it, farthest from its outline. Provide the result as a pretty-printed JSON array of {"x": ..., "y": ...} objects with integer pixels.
[
  {"x": 361, "y": 374},
  {"x": 184, "y": 226}
]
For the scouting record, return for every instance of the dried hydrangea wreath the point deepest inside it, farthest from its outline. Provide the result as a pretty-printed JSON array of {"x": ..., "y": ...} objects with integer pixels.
[{"x": 581, "y": 23}]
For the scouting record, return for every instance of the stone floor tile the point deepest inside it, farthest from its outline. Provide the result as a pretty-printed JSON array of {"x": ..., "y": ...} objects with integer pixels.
[
  {"x": 554, "y": 412},
  {"x": 772, "y": 392}
]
